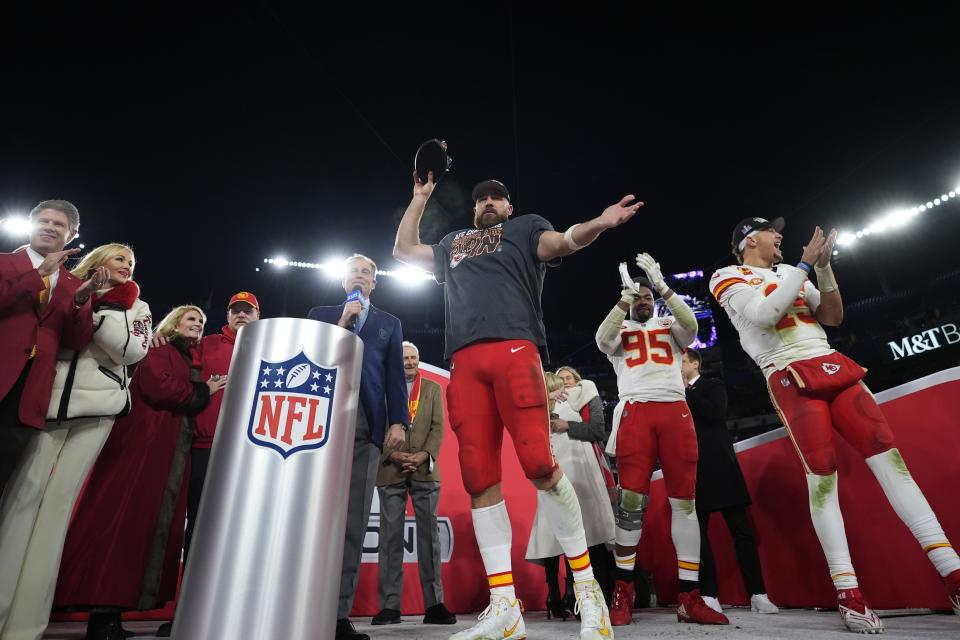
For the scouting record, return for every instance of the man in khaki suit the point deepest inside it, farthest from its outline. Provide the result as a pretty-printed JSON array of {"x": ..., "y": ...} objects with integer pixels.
[{"x": 413, "y": 472}]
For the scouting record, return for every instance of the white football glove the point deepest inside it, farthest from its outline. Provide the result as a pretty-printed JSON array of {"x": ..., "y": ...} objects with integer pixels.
[
  {"x": 629, "y": 286},
  {"x": 652, "y": 268}
]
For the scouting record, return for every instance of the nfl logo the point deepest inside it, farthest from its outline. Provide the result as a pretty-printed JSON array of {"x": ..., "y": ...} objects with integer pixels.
[{"x": 292, "y": 406}]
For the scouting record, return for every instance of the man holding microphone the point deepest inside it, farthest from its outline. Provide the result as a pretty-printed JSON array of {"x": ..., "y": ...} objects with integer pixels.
[{"x": 382, "y": 418}]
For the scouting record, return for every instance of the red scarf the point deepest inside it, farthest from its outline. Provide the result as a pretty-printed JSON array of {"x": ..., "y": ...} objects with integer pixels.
[
  {"x": 414, "y": 400},
  {"x": 123, "y": 294}
]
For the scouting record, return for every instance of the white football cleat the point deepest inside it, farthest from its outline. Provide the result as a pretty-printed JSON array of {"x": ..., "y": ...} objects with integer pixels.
[
  {"x": 501, "y": 620},
  {"x": 760, "y": 603},
  {"x": 594, "y": 615}
]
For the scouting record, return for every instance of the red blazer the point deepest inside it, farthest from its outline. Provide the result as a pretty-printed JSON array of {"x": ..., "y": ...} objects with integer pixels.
[{"x": 22, "y": 327}]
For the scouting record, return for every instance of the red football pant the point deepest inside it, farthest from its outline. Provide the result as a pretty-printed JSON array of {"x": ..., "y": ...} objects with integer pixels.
[
  {"x": 811, "y": 417},
  {"x": 497, "y": 384},
  {"x": 649, "y": 430}
]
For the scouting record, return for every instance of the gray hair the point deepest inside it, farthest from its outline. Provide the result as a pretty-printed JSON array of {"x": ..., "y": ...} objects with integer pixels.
[
  {"x": 407, "y": 343},
  {"x": 65, "y": 207},
  {"x": 360, "y": 256}
]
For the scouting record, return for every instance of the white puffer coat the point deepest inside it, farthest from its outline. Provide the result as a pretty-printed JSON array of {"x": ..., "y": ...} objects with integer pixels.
[{"x": 95, "y": 382}]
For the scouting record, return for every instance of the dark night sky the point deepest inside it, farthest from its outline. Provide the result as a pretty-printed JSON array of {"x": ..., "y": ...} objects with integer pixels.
[{"x": 210, "y": 139}]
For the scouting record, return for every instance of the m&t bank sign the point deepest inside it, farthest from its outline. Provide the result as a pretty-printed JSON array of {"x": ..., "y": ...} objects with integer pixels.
[{"x": 929, "y": 340}]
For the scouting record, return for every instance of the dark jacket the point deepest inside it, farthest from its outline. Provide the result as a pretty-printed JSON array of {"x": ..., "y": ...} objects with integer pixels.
[
  {"x": 720, "y": 483},
  {"x": 383, "y": 389}
]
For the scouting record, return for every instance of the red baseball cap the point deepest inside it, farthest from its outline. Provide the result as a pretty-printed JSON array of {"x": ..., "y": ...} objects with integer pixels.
[{"x": 244, "y": 296}]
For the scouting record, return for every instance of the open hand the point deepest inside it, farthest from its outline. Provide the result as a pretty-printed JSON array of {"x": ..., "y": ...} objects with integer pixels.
[{"x": 616, "y": 214}]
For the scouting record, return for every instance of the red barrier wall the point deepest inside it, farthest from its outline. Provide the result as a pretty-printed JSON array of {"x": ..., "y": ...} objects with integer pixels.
[{"x": 893, "y": 570}]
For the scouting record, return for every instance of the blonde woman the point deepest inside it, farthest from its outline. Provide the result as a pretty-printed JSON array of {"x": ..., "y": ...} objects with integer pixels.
[
  {"x": 122, "y": 551},
  {"x": 578, "y": 462},
  {"x": 89, "y": 391}
]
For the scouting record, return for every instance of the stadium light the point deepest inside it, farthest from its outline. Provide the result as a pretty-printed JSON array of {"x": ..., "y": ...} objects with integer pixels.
[
  {"x": 408, "y": 275},
  {"x": 15, "y": 225},
  {"x": 335, "y": 268},
  {"x": 893, "y": 220}
]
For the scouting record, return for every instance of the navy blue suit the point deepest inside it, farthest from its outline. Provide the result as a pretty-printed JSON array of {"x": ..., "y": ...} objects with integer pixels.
[
  {"x": 383, "y": 388},
  {"x": 383, "y": 401}
]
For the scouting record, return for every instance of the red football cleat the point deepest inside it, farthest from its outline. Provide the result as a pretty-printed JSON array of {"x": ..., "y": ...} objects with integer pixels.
[
  {"x": 855, "y": 613},
  {"x": 952, "y": 582},
  {"x": 621, "y": 604},
  {"x": 692, "y": 608}
]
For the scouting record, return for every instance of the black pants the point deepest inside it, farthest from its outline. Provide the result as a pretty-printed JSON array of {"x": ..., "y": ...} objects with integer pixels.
[
  {"x": 603, "y": 569},
  {"x": 199, "y": 460},
  {"x": 743, "y": 544},
  {"x": 601, "y": 559},
  {"x": 14, "y": 435}
]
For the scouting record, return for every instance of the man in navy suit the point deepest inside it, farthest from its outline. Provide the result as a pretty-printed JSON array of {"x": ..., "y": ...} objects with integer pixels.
[{"x": 381, "y": 420}]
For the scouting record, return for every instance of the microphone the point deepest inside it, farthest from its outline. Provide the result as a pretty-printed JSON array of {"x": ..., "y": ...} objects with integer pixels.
[{"x": 354, "y": 296}]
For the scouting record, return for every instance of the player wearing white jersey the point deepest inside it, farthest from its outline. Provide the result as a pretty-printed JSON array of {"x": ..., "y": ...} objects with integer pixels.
[
  {"x": 795, "y": 336},
  {"x": 652, "y": 342},
  {"x": 653, "y": 421},
  {"x": 816, "y": 390}
]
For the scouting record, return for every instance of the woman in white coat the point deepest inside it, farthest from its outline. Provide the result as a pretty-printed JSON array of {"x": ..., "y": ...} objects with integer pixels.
[
  {"x": 573, "y": 432},
  {"x": 89, "y": 391}
]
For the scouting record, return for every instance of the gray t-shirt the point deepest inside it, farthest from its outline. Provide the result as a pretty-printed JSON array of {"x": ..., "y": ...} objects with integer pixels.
[{"x": 493, "y": 283}]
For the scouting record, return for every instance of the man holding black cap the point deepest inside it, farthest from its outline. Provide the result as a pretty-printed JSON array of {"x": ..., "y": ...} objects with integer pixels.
[
  {"x": 817, "y": 390},
  {"x": 494, "y": 333}
]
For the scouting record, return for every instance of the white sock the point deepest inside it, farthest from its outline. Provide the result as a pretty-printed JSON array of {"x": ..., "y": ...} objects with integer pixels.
[
  {"x": 491, "y": 525},
  {"x": 828, "y": 523},
  {"x": 629, "y": 539},
  {"x": 562, "y": 511},
  {"x": 685, "y": 531},
  {"x": 908, "y": 501}
]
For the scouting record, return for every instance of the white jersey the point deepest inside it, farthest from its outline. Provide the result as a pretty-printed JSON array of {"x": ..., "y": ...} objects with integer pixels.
[
  {"x": 796, "y": 336},
  {"x": 647, "y": 362}
]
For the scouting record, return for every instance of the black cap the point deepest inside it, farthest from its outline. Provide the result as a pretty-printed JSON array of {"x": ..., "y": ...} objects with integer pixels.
[
  {"x": 490, "y": 188},
  {"x": 748, "y": 225},
  {"x": 432, "y": 156}
]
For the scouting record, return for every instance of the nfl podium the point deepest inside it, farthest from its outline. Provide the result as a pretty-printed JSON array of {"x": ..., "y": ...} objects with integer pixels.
[{"x": 267, "y": 549}]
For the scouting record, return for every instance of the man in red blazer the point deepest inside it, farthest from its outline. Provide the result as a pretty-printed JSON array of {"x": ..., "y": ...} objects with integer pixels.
[{"x": 42, "y": 306}]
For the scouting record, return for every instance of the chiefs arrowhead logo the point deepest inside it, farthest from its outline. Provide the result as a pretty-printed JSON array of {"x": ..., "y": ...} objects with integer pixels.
[{"x": 830, "y": 368}]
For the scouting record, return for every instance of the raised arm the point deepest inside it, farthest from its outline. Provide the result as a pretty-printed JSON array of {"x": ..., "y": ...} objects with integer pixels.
[
  {"x": 608, "y": 335},
  {"x": 554, "y": 244},
  {"x": 684, "y": 330},
  {"x": 407, "y": 248},
  {"x": 830, "y": 309}
]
